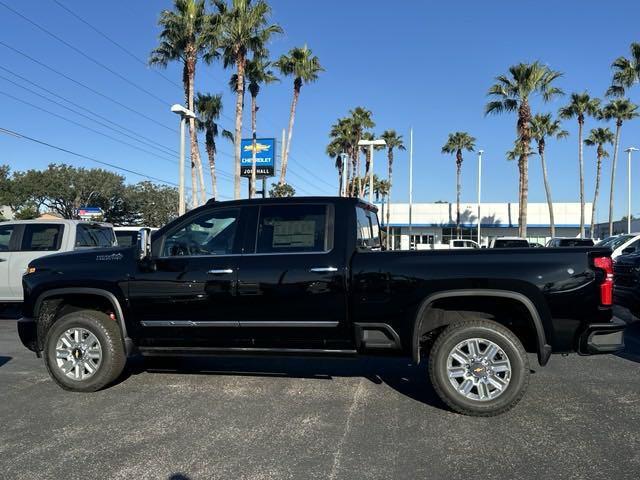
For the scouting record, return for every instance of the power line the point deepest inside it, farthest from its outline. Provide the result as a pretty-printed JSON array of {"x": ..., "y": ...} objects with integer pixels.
[
  {"x": 106, "y": 97},
  {"x": 80, "y": 52},
  {"x": 109, "y": 39}
]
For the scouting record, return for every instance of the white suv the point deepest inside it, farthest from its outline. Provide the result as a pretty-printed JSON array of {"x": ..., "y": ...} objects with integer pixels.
[{"x": 22, "y": 241}]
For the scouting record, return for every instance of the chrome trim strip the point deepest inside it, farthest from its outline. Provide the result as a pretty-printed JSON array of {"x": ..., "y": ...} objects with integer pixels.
[
  {"x": 323, "y": 269},
  {"x": 197, "y": 350},
  {"x": 220, "y": 271},
  {"x": 250, "y": 324}
]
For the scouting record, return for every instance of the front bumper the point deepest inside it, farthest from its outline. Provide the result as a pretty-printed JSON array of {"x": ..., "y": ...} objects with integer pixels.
[
  {"x": 27, "y": 331},
  {"x": 602, "y": 337}
]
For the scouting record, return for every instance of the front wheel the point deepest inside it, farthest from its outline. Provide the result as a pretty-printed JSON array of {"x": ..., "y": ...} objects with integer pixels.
[
  {"x": 478, "y": 367},
  {"x": 84, "y": 351}
]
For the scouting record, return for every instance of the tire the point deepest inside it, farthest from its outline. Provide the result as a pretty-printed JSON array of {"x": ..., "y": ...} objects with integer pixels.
[
  {"x": 99, "y": 364},
  {"x": 497, "y": 385}
]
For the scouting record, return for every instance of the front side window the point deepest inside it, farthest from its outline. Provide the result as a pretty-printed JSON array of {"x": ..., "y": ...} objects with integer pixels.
[
  {"x": 212, "y": 233},
  {"x": 41, "y": 237},
  {"x": 368, "y": 235},
  {"x": 90, "y": 235},
  {"x": 5, "y": 237},
  {"x": 293, "y": 229}
]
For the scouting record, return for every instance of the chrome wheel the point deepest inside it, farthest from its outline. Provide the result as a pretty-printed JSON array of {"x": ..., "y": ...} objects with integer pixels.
[
  {"x": 478, "y": 369},
  {"x": 78, "y": 353}
]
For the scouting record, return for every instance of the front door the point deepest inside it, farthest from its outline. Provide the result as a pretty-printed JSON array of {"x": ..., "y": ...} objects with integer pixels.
[
  {"x": 292, "y": 281},
  {"x": 188, "y": 297},
  {"x": 7, "y": 242}
]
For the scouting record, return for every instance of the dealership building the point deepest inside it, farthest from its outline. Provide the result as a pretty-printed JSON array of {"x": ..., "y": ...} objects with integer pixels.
[{"x": 434, "y": 223}]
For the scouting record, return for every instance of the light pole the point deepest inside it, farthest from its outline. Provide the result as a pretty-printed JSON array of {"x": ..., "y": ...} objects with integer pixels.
[
  {"x": 480, "y": 152},
  {"x": 344, "y": 158},
  {"x": 629, "y": 151},
  {"x": 371, "y": 143},
  {"x": 184, "y": 114}
]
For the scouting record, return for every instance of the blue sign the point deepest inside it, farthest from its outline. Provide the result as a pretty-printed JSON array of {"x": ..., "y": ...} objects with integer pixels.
[{"x": 265, "y": 157}]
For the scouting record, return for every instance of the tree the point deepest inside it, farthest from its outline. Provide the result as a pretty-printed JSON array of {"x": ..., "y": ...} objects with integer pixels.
[
  {"x": 620, "y": 110},
  {"x": 511, "y": 93},
  {"x": 304, "y": 67},
  {"x": 342, "y": 141},
  {"x": 543, "y": 127},
  {"x": 153, "y": 205},
  {"x": 209, "y": 108},
  {"x": 335, "y": 149},
  {"x": 456, "y": 143},
  {"x": 360, "y": 120},
  {"x": 393, "y": 141},
  {"x": 242, "y": 28},
  {"x": 258, "y": 72},
  {"x": 598, "y": 137},
  {"x": 580, "y": 104},
  {"x": 626, "y": 72},
  {"x": 183, "y": 38},
  {"x": 281, "y": 190}
]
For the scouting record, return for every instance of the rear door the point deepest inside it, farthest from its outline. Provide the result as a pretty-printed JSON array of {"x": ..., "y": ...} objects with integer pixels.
[
  {"x": 292, "y": 279},
  {"x": 37, "y": 240},
  {"x": 7, "y": 246}
]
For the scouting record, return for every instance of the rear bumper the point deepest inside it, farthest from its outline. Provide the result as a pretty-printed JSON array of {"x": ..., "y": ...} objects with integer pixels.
[
  {"x": 27, "y": 331},
  {"x": 602, "y": 337}
]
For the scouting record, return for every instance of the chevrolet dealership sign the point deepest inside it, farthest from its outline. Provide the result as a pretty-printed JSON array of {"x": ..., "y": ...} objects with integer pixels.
[{"x": 265, "y": 157}]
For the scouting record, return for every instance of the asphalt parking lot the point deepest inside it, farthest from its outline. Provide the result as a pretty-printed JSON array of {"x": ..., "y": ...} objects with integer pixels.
[{"x": 264, "y": 418}]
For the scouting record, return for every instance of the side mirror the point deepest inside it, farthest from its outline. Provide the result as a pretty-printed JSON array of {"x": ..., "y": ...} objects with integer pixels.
[{"x": 144, "y": 243}]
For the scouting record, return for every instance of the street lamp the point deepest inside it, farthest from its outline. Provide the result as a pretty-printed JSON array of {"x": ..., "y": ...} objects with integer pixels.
[
  {"x": 629, "y": 151},
  {"x": 184, "y": 114},
  {"x": 480, "y": 152},
  {"x": 371, "y": 143}
]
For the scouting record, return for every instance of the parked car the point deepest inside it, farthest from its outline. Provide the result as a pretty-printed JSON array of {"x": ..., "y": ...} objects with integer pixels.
[
  {"x": 22, "y": 241},
  {"x": 509, "y": 242},
  {"x": 627, "y": 282},
  {"x": 569, "y": 242},
  {"x": 128, "y": 236},
  {"x": 454, "y": 244},
  {"x": 307, "y": 276},
  {"x": 624, "y": 244}
]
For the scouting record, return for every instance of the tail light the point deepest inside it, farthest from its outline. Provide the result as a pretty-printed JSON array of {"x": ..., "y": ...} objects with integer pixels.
[{"x": 606, "y": 287}]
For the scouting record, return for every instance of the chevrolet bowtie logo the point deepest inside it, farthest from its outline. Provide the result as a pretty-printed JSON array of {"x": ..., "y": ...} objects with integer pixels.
[{"x": 260, "y": 147}]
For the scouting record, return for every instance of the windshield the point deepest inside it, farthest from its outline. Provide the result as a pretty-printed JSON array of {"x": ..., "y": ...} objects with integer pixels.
[{"x": 615, "y": 242}]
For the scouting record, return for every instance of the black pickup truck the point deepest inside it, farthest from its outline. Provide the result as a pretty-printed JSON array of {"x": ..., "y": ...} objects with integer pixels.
[{"x": 308, "y": 276}]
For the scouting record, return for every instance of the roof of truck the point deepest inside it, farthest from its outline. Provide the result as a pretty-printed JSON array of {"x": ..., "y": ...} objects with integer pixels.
[{"x": 284, "y": 200}]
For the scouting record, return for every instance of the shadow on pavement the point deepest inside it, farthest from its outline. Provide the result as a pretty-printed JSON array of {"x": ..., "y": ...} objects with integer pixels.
[
  {"x": 407, "y": 379},
  {"x": 632, "y": 343},
  {"x": 4, "y": 360}
]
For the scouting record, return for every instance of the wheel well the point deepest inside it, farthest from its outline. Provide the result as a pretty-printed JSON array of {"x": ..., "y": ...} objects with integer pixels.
[
  {"x": 56, "y": 306},
  {"x": 508, "y": 312}
]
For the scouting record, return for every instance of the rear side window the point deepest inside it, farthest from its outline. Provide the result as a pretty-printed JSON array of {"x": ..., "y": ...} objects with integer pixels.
[
  {"x": 126, "y": 238},
  {"x": 94, "y": 235},
  {"x": 293, "y": 229},
  {"x": 5, "y": 237},
  {"x": 41, "y": 238},
  {"x": 368, "y": 234}
]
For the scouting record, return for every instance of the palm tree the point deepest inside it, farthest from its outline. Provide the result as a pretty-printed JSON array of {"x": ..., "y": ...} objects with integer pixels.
[
  {"x": 543, "y": 127},
  {"x": 342, "y": 141},
  {"x": 242, "y": 28},
  {"x": 393, "y": 141},
  {"x": 626, "y": 71},
  {"x": 456, "y": 143},
  {"x": 304, "y": 67},
  {"x": 337, "y": 146},
  {"x": 183, "y": 38},
  {"x": 600, "y": 137},
  {"x": 511, "y": 93},
  {"x": 620, "y": 110},
  {"x": 359, "y": 122},
  {"x": 209, "y": 108},
  {"x": 581, "y": 104},
  {"x": 258, "y": 72}
]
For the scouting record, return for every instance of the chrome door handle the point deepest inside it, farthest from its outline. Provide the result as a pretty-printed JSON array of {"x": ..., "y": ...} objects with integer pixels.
[
  {"x": 220, "y": 271},
  {"x": 323, "y": 269}
]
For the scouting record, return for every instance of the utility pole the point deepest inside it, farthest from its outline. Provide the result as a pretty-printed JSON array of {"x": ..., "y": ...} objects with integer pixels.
[
  {"x": 480, "y": 152},
  {"x": 410, "y": 183},
  {"x": 184, "y": 113}
]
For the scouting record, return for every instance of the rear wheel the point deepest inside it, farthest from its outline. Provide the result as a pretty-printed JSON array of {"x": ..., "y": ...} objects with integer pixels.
[
  {"x": 84, "y": 351},
  {"x": 478, "y": 367}
]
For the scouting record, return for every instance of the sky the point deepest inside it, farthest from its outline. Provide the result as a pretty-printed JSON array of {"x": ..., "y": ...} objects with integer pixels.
[{"x": 420, "y": 64}]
